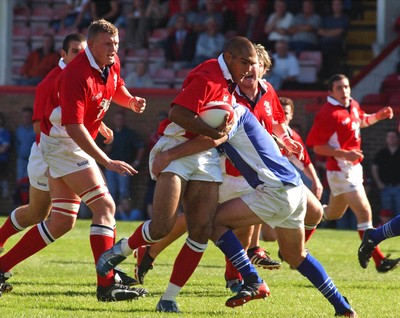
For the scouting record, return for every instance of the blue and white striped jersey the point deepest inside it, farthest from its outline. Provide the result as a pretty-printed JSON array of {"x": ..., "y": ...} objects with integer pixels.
[{"x": 253, "y": 151}]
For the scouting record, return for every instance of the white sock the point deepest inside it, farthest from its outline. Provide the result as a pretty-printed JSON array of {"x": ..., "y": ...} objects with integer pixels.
[
  {"x": 364, "y": 226},
  {"x": 171, "y": 292},
  {"x": 14, "y": 221},
  {"x": 309, "y": 226},
  {"x": 126, "y": 250}
]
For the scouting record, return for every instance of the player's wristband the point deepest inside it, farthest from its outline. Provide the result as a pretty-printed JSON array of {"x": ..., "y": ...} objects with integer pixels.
[
  {"x": 284, "y": 137},
  {"x": 371, "y": 119}
]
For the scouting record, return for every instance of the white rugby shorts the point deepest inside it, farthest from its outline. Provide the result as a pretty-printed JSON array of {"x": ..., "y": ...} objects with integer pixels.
[
  {"x": 203, "y": 166},
  {"x": 278, "y": 207},
  {"x": 37, "y": 168},
  {"x": 346, "y": 181},
  {"x": 233, "y": 187},
  {"x": 64, "y": 156}
]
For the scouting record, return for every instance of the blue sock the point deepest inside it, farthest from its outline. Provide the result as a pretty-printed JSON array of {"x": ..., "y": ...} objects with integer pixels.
[
  {"x": 313, "y": 270},
  {"x": 389, "y": 229},
  {"x": 233, "y": 250}
]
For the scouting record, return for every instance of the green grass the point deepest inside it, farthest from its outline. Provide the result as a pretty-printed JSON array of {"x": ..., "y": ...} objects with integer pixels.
[{"x": 60, "y": 282}]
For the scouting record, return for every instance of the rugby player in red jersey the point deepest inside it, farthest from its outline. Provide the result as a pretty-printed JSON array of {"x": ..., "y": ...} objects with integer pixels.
[
  {"x": 336, "y": 134},
  {"x": 39, "y": 198},
  {"x": 85, "y": 89},
  {"x": 195, "y": 178}
]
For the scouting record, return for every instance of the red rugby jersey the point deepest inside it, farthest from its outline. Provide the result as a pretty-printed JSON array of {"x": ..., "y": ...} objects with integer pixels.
[
  {"x": 206, "y": 84},
  {"x": 43, "y": 92},
  {"x": 306, "y": 157},
  {"x": 84, "y": 97},
  {"x": 338, "y": 127},
  {"x": 268, "y": 110}
]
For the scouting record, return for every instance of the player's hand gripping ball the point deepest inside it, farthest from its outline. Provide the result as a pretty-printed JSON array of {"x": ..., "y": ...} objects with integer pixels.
[{"x": 214, "y": 114}]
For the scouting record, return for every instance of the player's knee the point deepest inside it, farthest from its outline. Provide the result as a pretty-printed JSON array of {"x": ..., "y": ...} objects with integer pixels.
[
  {"x": 158, "y": 232},
  {"x": 160, "y": 228},
  {"x": 107, "y": 206},
  {"x": 314, "y": 214},
  {"x": 63, "y": 229},
  {"x": 60, "y": 224},
  {"x": 38, "y": 217},
  {"x": 99, "y": 200},
  {"x": 294, "y": 259},
  {"x": 201, "y": 232},
  {"x": 330, "y": 214},
  {"x": 269, "y": 236},
  {"x": 64, "y": 213}
]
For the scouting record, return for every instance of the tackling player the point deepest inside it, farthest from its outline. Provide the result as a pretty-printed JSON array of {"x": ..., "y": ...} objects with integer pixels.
[{"x": 278, "y": 199}]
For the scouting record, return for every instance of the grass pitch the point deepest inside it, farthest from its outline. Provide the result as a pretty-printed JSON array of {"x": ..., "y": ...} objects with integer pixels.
[{"x": 60, "y": 282}]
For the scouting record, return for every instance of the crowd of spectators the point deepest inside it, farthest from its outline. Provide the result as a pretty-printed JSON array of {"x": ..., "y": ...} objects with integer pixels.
[
  {"x": 15, "y": 144},
  {"x": 195, "y": 30}
]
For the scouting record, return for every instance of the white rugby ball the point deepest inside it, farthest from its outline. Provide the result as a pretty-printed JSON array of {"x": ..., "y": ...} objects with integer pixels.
[{"x": 214, "y": 115}]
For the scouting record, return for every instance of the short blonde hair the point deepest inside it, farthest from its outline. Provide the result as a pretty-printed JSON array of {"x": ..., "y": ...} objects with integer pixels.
[
  {"x": 101, "y": 26},
  {"x": 263, "y": 56},
  {"x": 286, "y": 101}
]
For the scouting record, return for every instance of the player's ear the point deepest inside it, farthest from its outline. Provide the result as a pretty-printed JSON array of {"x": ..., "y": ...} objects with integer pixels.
[{"x": 228, "y": 57}]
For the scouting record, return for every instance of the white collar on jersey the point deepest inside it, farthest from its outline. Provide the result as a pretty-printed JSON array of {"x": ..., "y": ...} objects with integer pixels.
[
  {"x": 61, "y": 64},
  {"x": 91, "y": 59},
  {"x": 261, "y": 82},
  {"x": 335, "y": 102},
  {"x": 224, "y": 68}
]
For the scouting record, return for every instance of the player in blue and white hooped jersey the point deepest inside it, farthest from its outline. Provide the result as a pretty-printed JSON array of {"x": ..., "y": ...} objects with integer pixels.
[
  {"x": 249, "y": 145},
  {"x": 278, "y": 199}
]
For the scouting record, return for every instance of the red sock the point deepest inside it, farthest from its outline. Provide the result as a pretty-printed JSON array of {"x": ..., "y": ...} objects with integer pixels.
[
  {"x": 377, "y": 254},
  {"x": 231, "y": 272},
  {"x": 137, "y": 239},
  {"x": 184, "y": 266},
  {"x": 101, "y": 239},
  {"x": 6, "y": 231},
  {"x": 308, "y": 234},
  {"x": 115, "y": 234},
  {"x": 31, "y": 243}
]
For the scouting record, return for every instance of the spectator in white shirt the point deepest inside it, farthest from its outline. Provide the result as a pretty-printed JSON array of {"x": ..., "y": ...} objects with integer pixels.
[
  {"x": 141, "y": 77},
  {"x": 304, "y": 29},
  {"x": 285, "y": 67},
  {"x": 277, "y": 26},
  {"x": 210, "y": 42}
]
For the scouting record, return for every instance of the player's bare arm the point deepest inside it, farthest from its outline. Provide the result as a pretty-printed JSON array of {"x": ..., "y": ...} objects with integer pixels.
[
  {"x": 329, "y": 151},
  {"x": 190, "y": 121},
  {"x": 36, "y": 127},
  {"x": 190, "y": 147},
  {"x": 107, "y": 133},
  {"x": 290, "y": 145},
  {"x": 81, "y": 136},
  {"x": 371, "y": 119},
  {"x": 316, "y": 185},
  {"x": 123, "y": 98}
]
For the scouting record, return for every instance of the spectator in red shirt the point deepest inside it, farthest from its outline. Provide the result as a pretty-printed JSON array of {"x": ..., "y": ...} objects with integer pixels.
[
  {"x": 252, "y": 26},
  {"x": 180, "y": 45},
  {"x": 39, "y": 62}
]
